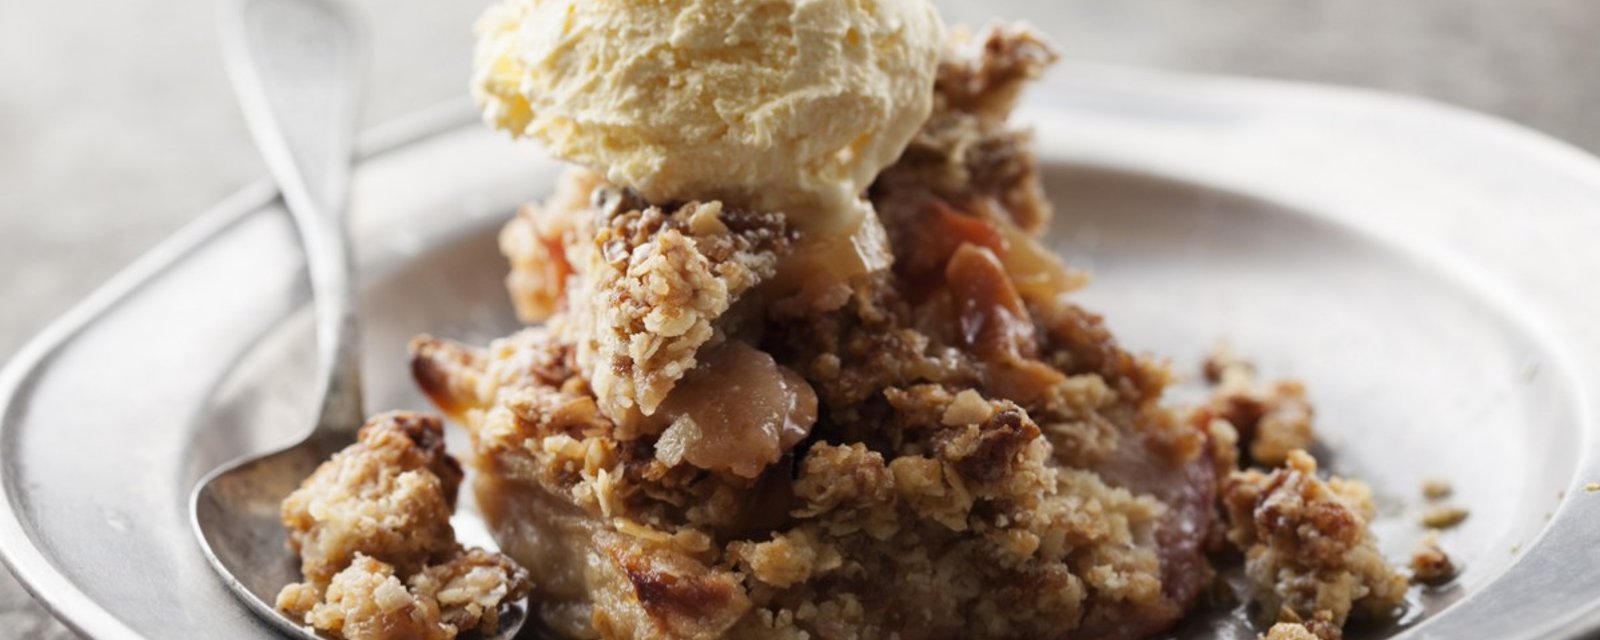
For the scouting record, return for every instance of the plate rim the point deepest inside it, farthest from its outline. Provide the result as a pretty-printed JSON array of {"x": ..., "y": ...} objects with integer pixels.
[{"x": 39, "y": 576}]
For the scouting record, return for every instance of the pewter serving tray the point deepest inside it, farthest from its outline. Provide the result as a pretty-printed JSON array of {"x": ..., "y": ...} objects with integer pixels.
[{"x": 1428, "y": 272}]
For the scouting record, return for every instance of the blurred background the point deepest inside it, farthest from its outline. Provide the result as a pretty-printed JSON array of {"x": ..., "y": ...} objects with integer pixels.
[{"x": 117, "y": 124}]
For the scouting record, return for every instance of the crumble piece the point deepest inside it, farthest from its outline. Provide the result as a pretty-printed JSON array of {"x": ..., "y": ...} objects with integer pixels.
[
  {"x": 1430, "y": 565},
  {"x": 966, "y": 152},
  {"x": 1320, "y": 627},
  {"x": 640, "y": 288},
  {"x": 1443, "y": 517},
  {"x": 379, "y": 557},
  {"x": 654, "y": 283},
  {"x": 367, "y": 600},
  {"x": 393, "y": 490},
  {"x": 1592, "y": 487},
  {"x": 968, "y": 176},
  {"x": 1225, "y": 364},
  {"x": 1271, "y": 420},
  {"x": 1308, "y": 551},
  {"x": 1289, "y": 631}
]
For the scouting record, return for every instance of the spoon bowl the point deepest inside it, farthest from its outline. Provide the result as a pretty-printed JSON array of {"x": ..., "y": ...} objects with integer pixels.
[{"x": 236, "y": 517}]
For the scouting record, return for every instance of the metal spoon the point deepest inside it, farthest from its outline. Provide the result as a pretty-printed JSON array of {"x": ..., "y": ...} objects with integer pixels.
[{"x": 296, "y": 68}]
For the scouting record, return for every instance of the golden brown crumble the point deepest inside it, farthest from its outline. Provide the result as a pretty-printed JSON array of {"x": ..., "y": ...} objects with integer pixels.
[
  {"x": 380, "y": 560},
  {"x": 967, "y": 153},
  {"x": 1270, "y": 420},
  {"x": 393, "y": 490},
  {"x": 1443, "y": 517},
  {"x": 1320, "y": 627},
  {"x": 641, "y": 288},
  {"x": 1289, "y": 631},
  {"x": 366, "y": 600},
  {"x": 1308, "y": 551},
  {"x": 1309, "y": 555},
  {"x": 1429, "y": 563}
]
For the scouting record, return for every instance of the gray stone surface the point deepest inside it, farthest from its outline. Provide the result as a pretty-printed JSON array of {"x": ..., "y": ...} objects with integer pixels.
[{"x": 117, "y": 125}]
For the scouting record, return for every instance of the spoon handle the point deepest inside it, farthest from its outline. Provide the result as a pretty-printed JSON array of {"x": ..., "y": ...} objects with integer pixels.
[{"x": 296, "y": 68}]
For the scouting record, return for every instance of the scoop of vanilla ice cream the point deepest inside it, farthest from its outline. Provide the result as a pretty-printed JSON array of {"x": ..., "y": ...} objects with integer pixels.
[{"x": 779, "y": 105}]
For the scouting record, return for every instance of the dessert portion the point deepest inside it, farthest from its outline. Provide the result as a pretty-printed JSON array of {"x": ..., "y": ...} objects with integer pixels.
[
  {"x": 700, "y": 443},
  {"x": 379, "y": 557},
  {"x": 799, "y": 367}
]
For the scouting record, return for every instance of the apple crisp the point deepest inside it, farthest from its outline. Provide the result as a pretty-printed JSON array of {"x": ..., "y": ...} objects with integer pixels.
[
  {"x": 704, "y": 440},
  {"x": 721, "y": 425}
]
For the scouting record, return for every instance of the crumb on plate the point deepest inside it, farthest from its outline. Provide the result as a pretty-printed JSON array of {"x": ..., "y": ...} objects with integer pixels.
[
  {"x": 1308, "y": 550},
  {"x": 1271, "y": 419},
  {"x": 1430, "y": 565},
  {"x": 1444, "y": 517},
  {"x": 1319, "y": 627}
]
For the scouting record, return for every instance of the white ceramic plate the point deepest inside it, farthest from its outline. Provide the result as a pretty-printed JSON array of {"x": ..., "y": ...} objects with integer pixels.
[{"x": 1427, "y": 271}]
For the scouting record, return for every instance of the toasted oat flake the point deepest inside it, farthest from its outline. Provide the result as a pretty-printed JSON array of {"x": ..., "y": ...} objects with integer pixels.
[{"x": 1443, "y": 517}]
